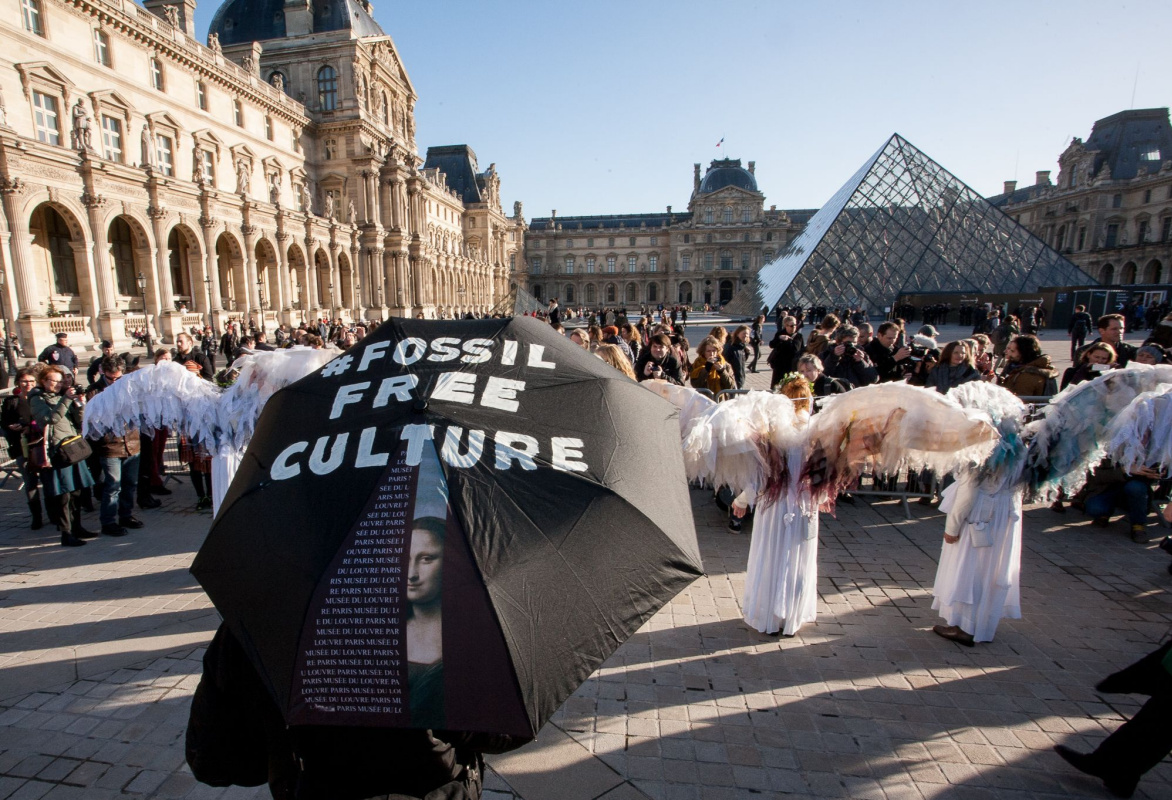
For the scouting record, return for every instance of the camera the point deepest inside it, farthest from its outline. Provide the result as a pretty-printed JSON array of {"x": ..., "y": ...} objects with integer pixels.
[
  {"x": 849, "y": 349},
  {"x": 917, "y": 353}
]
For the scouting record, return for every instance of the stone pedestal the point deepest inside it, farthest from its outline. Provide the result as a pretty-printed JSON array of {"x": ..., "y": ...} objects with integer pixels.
[{"x": 168, "y": 325}]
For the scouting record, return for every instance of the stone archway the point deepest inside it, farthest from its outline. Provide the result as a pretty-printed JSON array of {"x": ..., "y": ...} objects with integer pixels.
[
  {"x": 685, "y": 293},
  {"x": 1153, "y": 272},
  {"x": 298, "y": 284},
  {"x": 56, "y": 241},
  {"x": 230, "y": 270},
  {"x": 268, "y": 275},
  {"x": 1128, "y": 274},
  {"x": 323, "y": 283},
  {"x": 183, "y": 258},
  {"x": 1107, "y": 274}
]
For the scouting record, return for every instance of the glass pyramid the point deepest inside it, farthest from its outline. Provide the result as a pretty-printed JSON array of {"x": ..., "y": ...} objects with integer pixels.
[
  {"x": 517, "y": 303},
  {"x": 904, "y": 224}
]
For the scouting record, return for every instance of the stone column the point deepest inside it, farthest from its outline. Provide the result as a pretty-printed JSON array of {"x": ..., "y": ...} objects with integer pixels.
[
  {"x": 108, "y": 322},
  {"x": 211, "y": 275},
  {"x": 310, "y": 300},
  {"x": 251, "y": 274},
  {"x": 283, "y": 302},
  {"x": 335, "y": 281},
  {"x": 355, "y": 300}
]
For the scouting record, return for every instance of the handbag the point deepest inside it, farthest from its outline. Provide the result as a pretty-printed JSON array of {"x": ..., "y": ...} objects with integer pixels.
[
  {"x": 70, "y": 451},
  {"x": 38, "y": 449}
]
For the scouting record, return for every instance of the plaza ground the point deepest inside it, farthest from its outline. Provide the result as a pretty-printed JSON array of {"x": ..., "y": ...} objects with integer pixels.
[{"x": 100, "y": 650}]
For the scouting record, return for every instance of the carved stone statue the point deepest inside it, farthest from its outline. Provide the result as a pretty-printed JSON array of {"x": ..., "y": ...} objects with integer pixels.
[
  {"x": 351, "y": 213},
  {"x": 197, "y": 165},
  {"x": 518, "y": 210},
  {"x": 248, "y": 63},
  {"x": 329, "y": 206},
  {"x": 306, "y": 198},
  {"x": 81, "y": 137},
  {"x": 410, "y": 127},
  {"x": 171, "y": 14},
  {"x": 214, "y": 43},
  {"x": 147, "y": 156},
  {"x": 275, "y": 189},
  {"x": 3, "y": 110},
  {"x": 243, "y": 176},
  {"x": 278, "y": 81}
]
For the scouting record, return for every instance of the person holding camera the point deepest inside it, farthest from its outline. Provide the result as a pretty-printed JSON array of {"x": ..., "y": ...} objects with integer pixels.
[
  {"x": 1094, "y": 361},
  {"x": 710, "y": 371},
  {"x": 784, "y": 349},
  {"x": 848, "y": 362},
  {"x": 56, "y": 413},
  {"x": 657, "y": 362},
  {"x": 890, "y": 361}
]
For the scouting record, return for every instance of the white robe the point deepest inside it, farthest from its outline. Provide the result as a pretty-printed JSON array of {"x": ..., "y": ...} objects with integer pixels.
[
  {"x": 781, "y": 582},
  {"x": 978, "y": 579}
]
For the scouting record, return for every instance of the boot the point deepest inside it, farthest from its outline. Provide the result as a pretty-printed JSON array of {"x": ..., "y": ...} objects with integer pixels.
[
  {"x": 69, "y": 540},
  {"x": 38, "y": 520}
]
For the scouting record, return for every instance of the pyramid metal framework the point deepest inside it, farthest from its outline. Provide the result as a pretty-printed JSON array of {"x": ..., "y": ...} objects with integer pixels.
[
  {"x": 904, "y": 224},
  {"x": 517, "y": 303}
]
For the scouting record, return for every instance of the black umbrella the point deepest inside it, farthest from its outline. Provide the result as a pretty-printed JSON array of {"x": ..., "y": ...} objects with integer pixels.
[{"x": 450, "y": 526}]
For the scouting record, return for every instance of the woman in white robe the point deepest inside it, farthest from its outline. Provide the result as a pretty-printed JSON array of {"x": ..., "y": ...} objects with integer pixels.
[{"x": 978, "y": 578}]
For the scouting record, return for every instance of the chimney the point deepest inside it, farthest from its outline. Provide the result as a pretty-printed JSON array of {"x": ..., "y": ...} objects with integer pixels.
[
  {"x": 1010, "y": 186},
  {"x": 695, "y": 177},
  {"x": 752, "y": 167},
  {"x": 553, "y": 214},
  {"x": 1042, "y": 178},
  {"x": 773, "y": 208}
]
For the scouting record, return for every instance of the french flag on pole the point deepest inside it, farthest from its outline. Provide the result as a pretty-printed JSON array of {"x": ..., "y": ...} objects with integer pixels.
[{"x": 718, "y": 144}]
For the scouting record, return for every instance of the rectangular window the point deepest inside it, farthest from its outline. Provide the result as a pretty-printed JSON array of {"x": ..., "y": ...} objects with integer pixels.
[
  {"x": 727, "y": 215},
  {"x": 101, "y": 48},
  {"x": 570, "y": 266},
  {"x": 1117, "y": 201},
  {"x": 746, "y": 215},
  {"x": 610, "y": 263},
  {"x": 590, "y": 263},
  {"x": 163, "y": 154},
  {"x": 708, "y": 238},
  {"x": 610, "y": 242},
  {"x": 1143, "y": 232},
  {"x": 157, "y": 74},
  {"x": 1166, "y": 231},
  {"x": 238, "y": 113},
  {"x": 744, "y": 260},
  {"x": 708, "y": 261},
  {"x": 512, "y": 262},
  {"x": 1082, "y": 238},
  {"x": 685, "y": 263},
  {"x": 45, "y": 109},
  {"x": 745, "y": 237},
  {"x": 536, "y": 266},
  {"x": 1147, "y": 195},
  {"x": 112, "y": 138},
  {"x": 632, "y": 242},
  {"x": 653, "y": 263},
  {"x": 30, "y": 15},
  {"x": 687, "y": 238},
  {"x": 201, "y": 95},
  {"x": 537, "y": 243},
  {"x": 269, "y": 128},
  {"x": 207, "y": 163},
  {"x": 589, "y": 242},
  {"x": 569, "y": 243},
  {"x": 654, "y": 241},
  {"x": 631, "y": 260},
  {"x": 1112, "y": 235}
]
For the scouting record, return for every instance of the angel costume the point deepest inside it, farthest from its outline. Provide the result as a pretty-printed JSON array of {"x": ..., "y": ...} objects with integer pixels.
[{"x": 977, "y": 580}]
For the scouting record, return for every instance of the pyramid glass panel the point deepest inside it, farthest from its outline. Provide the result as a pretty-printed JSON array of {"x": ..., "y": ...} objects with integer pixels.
[{"x": 904, "y": 224}]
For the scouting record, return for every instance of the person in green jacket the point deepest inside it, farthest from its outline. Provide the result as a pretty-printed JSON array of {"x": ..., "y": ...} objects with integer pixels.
[{"x": 56, "y": 411}]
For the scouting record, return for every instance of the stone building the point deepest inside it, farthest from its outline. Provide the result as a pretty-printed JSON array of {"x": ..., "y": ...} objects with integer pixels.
[
  {"x": 703, "y": 255},
  {"x": 1110, "y": 211},
  {"x": 273, "y": 173}
]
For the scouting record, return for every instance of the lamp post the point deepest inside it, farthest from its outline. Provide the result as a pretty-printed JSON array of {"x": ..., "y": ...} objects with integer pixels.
[
  {"x": 8, "y": 357},
  {"x": 260, "y": 293},
  {"x": 146, "y": 321},
  {"x": 207, "y": 282}
]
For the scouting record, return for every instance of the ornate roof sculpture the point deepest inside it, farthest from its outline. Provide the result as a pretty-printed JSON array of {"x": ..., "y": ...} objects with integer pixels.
[
  {"x": 242, "y": 21},
  {"x": 904, "y": 224}
]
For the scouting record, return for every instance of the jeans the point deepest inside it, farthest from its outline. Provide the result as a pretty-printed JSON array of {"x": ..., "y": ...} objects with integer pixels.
[
  {"x": 119, "y": 481},
  {"x": 1077, "y": 340},
  {"x": 1132, "y": 496}
]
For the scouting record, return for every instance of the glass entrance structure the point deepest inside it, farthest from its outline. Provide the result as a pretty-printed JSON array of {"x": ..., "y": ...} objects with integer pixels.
[{"x": 903, "y": 224}]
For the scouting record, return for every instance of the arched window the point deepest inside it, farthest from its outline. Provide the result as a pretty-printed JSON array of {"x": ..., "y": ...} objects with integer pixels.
[
  {"x": 652, "y": 293},
  {"x": 590, "y": 296},
  {"x": 52, "y": 237},
  {"x": 327, "y": 88},
  {"x": 686, "y": 292},
  {"x": 122, "y": 256},
  {"x": 1154, "y": 272},
  {"x": 178, "y": 260},
  {"x": 1128, "y": 274},
  {"x": 709, "y": 215},
  {"x": 632, "y": 293},
  {"x": 611, "y": 293},
  {"x": 1107, "y": 274},
  {"x": 386, "y": 110}
]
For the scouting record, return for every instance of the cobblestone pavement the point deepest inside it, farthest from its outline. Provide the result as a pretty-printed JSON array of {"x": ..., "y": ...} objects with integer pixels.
[{"x": 100, "y": 650}]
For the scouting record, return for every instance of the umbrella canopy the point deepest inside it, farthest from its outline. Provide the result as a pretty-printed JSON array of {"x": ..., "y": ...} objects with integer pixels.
[{"x": 450, "y": 526}]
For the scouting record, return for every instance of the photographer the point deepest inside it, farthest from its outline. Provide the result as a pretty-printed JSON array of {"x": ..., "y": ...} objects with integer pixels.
[
  {"x": 657, "y": 362},
  {"x": 784, "y": 349},
  {"x": 925, "y": 355},
  {"x": 848, "y": 362},
  {"x": 710, "y": 371},
  {"x": 889, "y": 362}
]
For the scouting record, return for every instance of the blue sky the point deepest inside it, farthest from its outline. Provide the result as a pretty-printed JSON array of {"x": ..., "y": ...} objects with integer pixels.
[{"x": 603, "y": 107}]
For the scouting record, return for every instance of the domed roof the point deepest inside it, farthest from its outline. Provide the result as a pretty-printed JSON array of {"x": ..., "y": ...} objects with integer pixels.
[
  {"x": 727, "y": 172},
  {"x": 240, "y": 21}
]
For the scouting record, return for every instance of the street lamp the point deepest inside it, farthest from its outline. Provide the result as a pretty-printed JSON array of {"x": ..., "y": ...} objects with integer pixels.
[
  {"x": 8, "y": 357},
  {"x": 207, "y": 282},
  {"x": 260, "y": 293},
  {"x": 146, "y": 321}
]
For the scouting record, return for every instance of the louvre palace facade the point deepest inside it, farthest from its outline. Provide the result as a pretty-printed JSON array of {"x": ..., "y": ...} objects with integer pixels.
[
  {"x": 272, "y": 173},
  {"x": 1110, "y": 210},
  {"x": 703, "y": 255}
]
